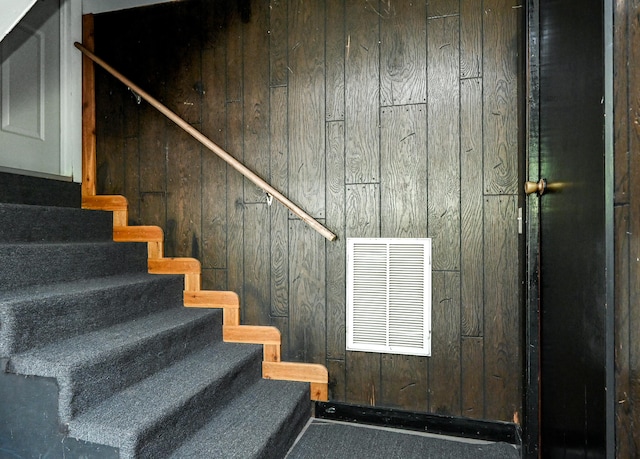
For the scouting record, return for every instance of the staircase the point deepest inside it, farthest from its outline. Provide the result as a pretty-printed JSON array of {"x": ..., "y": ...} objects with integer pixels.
[{"x": 100, "y": 359}]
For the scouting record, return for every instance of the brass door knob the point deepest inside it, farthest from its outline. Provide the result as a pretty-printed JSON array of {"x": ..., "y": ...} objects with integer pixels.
[{"x": 535, "y": 187}]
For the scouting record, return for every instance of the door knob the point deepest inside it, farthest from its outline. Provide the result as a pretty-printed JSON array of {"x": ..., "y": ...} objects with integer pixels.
[{"x": 533, "y": 187}]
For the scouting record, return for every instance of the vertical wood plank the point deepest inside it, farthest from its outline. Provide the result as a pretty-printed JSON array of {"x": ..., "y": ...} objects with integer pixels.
[
  {"x": 403, "y": 165},
  {"x": 337, "y": 383},
  {"x": 110, "y": 157},
  {"x": 214, "y": 169},
  {"x": 403, "y": 57},
  {"x": 153, "y": 209},
  {"x": 335, "y": 47},
  {"x": 470, "y": 39},
  {"x": 502, "y": 309},
  {"x": 132, "y": 179},
  {"x": 307, "y": 308},
  {"x": 362, "y": 209},
  {"x": 472, "y": 379},
  {"x": 153, "y": 165},
  {"x": 282, "y": 324},
  {"x": 306, "y": 106},
  {"x": 500, "y": 89},
  {"x": 444, "y": 142},
  {"x": 440, "y": 8},
  {"x": 279, "y": 214},
  {"x": 256, "y": 303},
  {"x": 336, "y": 250},
  {"x": 278, "y": 12},
  {"x": 620, "y": 101},
  {"x": 235, "y": 195},
  {"x": 471, "y": 202},
  {"x": 183, "y": 233},
  {"x": 256, "y": 98},
  {"x": 214, "y": 279},
  {"x": 444, "y": 364},
  {"x": 623, "y": 344},
  {"x": 362, "y": 91},
  {"x": 404, "y": 382}
]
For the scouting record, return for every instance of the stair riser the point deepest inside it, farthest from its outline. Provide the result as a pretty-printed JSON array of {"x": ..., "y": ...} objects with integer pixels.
[
  {"x": 36, "y": 264},
  {"x": 37, "y": 321},
  {"x": 93, "y": 384},
  {"x": 45, "y": 224},
  {"x": 194, "y": 414}
]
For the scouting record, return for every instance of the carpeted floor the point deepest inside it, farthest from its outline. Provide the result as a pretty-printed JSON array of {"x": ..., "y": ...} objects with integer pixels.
[{"x": 331, "y": 439}]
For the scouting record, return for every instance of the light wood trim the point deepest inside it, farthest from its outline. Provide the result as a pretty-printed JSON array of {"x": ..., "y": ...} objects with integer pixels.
[
  {"x": 155, "y": 249},
  {"x": 138, "y": 234},
  {"x": 113, "y": 202},
  {"x": 88, "y": 187},
  {"x": 251, "y": 334},
  {"x": 121, "y": 217},
  {"x": 272, "y": 353},
  {"x": 295, "y": 371},
  {"x": 319, "y": 391},
  {"x": 212, "y": 299},
  {"x": 192, "y": 282},
  {"x": 237, "y": 165},
  {"x": 174, "y": 266},
  {"x": 231, "y": 316}
]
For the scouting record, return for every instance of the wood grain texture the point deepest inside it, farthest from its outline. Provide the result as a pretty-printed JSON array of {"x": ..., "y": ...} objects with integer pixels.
[
  {"x": 336, "y": 251},
  {"x": 282, "y": 324},
  {"x": 444, "y": 364},
  {"x": 110, "y": 162},
  {"x": 623, "y": 346},
  {"x": 335, "y": 49},
  {"x": 362, "y": 211},
  {"x": 403, "y": 57},
  {"x": 472, "y": 350},
  {"x": 471, "y": 14},
  {"x": 620, "y": 101},
  {"x": 444, "y": 142},
  {"x": 153, "y": 165},
  {"x": 132, "y": 178},
  {"x": 362, "y": 68},
  {"x": 278, "y": 29},
  {"x": 306, "y": 106},
  {"x": 89, "y": 153},
  {"x": 404, "y": 382},
  {"x": 502, "y": 329},
  {"x": 307, "y": 308},
  {"x": 278, "y": 214},
  {"x": 257, "y": 273},
  {"x": 153, "y": 209},
  {"x": 183, "y": 230},
  {"x": 500, "y": 89},
  {"x": 256, "y": 98},
  {"x": 214, "y": 170},
  {"x": 471, "y": 203},
  {"x": 363, "y": 378},
  {"x": 337, "y": 383},
  {"x": 439, "y": 8},
  {"x": 403, "y": 165}
]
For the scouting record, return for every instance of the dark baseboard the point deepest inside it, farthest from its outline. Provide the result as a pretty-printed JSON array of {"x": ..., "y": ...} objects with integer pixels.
[
  {"x": 424, "y": 422},
  {"x": 24, "y": 189}
]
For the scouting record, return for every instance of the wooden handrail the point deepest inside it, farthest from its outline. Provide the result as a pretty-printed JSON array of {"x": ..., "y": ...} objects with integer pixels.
[{"x": 237, "y": 165}]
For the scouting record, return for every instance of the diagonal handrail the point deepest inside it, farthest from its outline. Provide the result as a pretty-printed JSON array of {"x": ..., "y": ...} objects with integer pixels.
[{"x": 237, "y": 165}]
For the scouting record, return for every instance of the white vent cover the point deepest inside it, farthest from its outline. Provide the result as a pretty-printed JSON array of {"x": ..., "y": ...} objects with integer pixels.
[{"x": 389, "y": 295}]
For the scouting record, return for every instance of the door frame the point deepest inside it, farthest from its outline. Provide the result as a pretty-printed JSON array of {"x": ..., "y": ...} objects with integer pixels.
[{"x": 530, "y": 100}]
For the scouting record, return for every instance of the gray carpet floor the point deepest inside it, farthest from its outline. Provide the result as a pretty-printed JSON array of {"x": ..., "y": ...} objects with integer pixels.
[{"x": 330, "y": 439}]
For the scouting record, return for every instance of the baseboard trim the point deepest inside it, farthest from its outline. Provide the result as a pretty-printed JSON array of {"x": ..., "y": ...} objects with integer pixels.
[{"x": 424, "y": 422}]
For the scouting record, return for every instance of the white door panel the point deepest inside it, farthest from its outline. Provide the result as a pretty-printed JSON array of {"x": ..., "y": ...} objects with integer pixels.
[{"x": 30, "y": 92}]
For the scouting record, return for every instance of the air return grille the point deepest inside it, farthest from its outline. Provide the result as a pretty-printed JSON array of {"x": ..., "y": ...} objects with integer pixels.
[{"x": 389, "y": 295}]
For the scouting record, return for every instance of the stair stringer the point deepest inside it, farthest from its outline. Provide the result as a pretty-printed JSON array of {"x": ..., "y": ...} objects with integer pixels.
[{"x": 194, "y": 297}]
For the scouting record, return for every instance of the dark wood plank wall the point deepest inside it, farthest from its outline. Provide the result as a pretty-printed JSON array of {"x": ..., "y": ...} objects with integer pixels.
[
  {"x": 627, "y": 225},
  {"x": 390, "y": 118}
]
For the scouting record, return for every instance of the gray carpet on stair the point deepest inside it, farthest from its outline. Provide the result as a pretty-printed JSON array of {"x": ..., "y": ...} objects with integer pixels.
[{"x": 333, "y": 440}]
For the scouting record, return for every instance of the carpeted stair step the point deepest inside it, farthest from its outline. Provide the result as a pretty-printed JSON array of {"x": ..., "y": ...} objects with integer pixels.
[
  {"x": 151, "y": 418},
  {"x": 36, "y": 316},
  {"x": 262, "y": 422},
  {"x": 92, "y": 367},
  {"x": 22, "y": 223},
  {"x": 37, "y": 264}
]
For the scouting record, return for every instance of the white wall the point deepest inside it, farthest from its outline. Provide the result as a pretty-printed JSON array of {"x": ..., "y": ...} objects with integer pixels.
[{"x": 12, "y": 12}]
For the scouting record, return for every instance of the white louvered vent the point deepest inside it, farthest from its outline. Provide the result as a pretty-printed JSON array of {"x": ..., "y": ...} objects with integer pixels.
[{"x": 389, "y": 295}]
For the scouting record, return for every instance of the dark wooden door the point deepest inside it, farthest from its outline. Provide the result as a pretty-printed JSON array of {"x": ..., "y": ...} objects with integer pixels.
[{"x": 573, "y": 249}]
